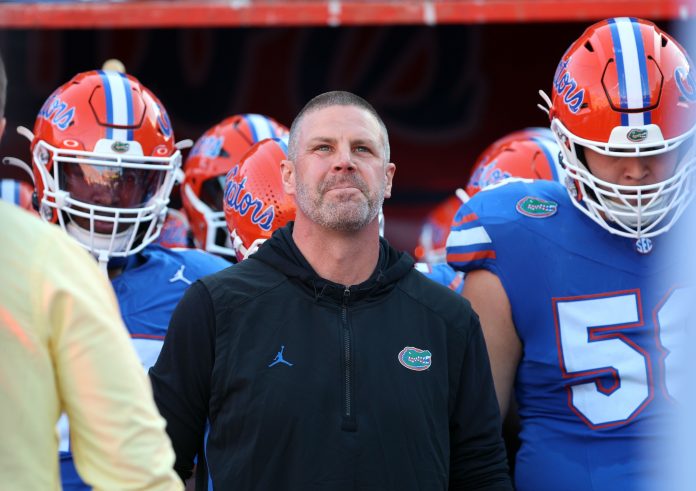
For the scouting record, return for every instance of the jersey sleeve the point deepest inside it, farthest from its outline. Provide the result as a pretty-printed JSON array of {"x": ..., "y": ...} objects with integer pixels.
[
  {"x": 469, "y": 245},
  {"x": 118, "y": 438}
]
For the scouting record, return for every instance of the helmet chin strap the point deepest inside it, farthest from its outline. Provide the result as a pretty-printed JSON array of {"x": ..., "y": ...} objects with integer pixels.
[{"x": 103, "y": 260}]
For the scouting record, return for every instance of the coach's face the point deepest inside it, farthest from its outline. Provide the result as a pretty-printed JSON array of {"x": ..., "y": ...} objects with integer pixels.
[{"x": 340, "y": 176}]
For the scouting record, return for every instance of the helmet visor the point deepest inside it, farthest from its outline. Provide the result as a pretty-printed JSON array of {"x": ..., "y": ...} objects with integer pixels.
[{"x": 114, "y": 189}]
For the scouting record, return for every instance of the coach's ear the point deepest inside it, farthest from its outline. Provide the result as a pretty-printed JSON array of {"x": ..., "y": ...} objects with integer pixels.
[
  {"x": 389, "y": 171},
  {"x": 2, "y": 127},
  {"x": 287, "y": 174}
]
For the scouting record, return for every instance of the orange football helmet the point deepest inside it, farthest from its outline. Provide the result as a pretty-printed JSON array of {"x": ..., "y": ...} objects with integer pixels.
[
  {"x": 531, "y": 153},
  {"x": 435, "y": 230},
  {"x": 104, "y": 162},
  {"x": 211, "y": 158},
  {"x": 254, "y": 202},
  {"x": 626, "y": 89}
]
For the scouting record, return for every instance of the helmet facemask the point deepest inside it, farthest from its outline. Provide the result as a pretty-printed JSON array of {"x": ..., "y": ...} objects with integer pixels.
[
  {"x": 113, "y": 203},
  {"x": 209, "y": 206},
  {"x": 243, "y": 252},
  {"x": 641, "y": 211}
]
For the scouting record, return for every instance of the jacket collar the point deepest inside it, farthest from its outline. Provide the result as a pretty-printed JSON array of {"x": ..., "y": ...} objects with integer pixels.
[{"x": 281, "y": 253}]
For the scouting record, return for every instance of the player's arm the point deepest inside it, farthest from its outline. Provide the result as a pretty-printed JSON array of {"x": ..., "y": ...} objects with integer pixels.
[
  {"x": 117, "y": 436},
  {"x": 181, "y": 377},
  {"x": 490, "y": 301}
]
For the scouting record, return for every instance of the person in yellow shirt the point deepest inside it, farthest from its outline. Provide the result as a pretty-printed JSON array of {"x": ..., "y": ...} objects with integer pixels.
[{"x": 64, "y": 348}]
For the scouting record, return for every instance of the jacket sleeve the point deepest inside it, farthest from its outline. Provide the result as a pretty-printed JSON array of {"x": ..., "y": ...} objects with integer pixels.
[
  {"x": 181, "y": 377},
  {"x": 477, "y": 453}
]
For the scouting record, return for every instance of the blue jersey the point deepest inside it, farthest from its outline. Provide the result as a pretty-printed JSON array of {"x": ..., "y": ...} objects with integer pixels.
[
  {"x": 147, "y": 290},
  {"x": 444, "y": 274},
  {"x": 597, "y": 315}
]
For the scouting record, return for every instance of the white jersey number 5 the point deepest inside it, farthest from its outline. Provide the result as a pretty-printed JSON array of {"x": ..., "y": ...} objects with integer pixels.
[{"x": 593, "y": 337}]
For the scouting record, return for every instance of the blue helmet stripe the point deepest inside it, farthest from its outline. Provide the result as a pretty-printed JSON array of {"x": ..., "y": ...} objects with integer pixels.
[
  {"x": 618, "y": 52},
  {"x": 261, "y": 127},
  {"x": 252, "y": 128},
  {"x": 641, "y": 63},
  {"x": 107, "y": 102},
  {"x": 283, "y": 146},
  {"x": 645, "y": 85},
  {"x": 129, "y": 104},
  {"x": 632, "y": 73}
]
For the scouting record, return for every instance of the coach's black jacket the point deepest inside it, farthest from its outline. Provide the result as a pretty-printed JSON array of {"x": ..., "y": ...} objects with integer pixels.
[{"x": 293, "y": 383}]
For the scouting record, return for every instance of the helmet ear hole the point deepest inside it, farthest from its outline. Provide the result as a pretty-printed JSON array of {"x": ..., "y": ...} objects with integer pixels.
[{"x": 589, "y": 47}]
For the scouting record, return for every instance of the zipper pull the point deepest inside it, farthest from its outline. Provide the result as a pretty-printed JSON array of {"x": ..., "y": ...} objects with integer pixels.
[{"x": 346, "y": 294}]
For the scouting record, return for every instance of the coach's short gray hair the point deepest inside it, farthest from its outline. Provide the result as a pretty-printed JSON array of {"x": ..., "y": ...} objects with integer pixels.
[{"x": 335, "y": 98}]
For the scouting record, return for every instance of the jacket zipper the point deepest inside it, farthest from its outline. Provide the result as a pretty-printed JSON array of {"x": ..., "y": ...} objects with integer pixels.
[{"x": 348, "y": 419}]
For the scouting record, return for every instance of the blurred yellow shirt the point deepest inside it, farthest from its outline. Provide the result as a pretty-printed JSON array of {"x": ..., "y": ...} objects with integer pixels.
[{"x": 64, "y": 348}]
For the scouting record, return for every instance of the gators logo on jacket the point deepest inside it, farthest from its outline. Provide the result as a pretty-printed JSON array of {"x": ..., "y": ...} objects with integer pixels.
[{"x": 415, "y": 359}]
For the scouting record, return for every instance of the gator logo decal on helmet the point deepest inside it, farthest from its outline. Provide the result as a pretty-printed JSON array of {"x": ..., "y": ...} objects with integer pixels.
[
  {"x": 637, "y": 135},
  {"x": 536, "y": 207},
  {"x": 415, "y": 359},
  {"x": 120, "y": 147}
]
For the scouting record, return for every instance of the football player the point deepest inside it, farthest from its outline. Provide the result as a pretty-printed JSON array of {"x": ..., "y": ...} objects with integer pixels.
[
  {"x": 104, "y": 161},
  {"x": 531, "y": 153},
  {"x": 580, "y": 292},
  {"x": 430, "y": 251},
  {"x": 211, "y": 158}
]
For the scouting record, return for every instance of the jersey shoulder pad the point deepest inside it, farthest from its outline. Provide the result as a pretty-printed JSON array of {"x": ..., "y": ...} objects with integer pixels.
[{"x": 496, "y": 217}]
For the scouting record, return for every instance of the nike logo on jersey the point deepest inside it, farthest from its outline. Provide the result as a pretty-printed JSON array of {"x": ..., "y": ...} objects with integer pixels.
[{"x": 179, "y": 276}]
